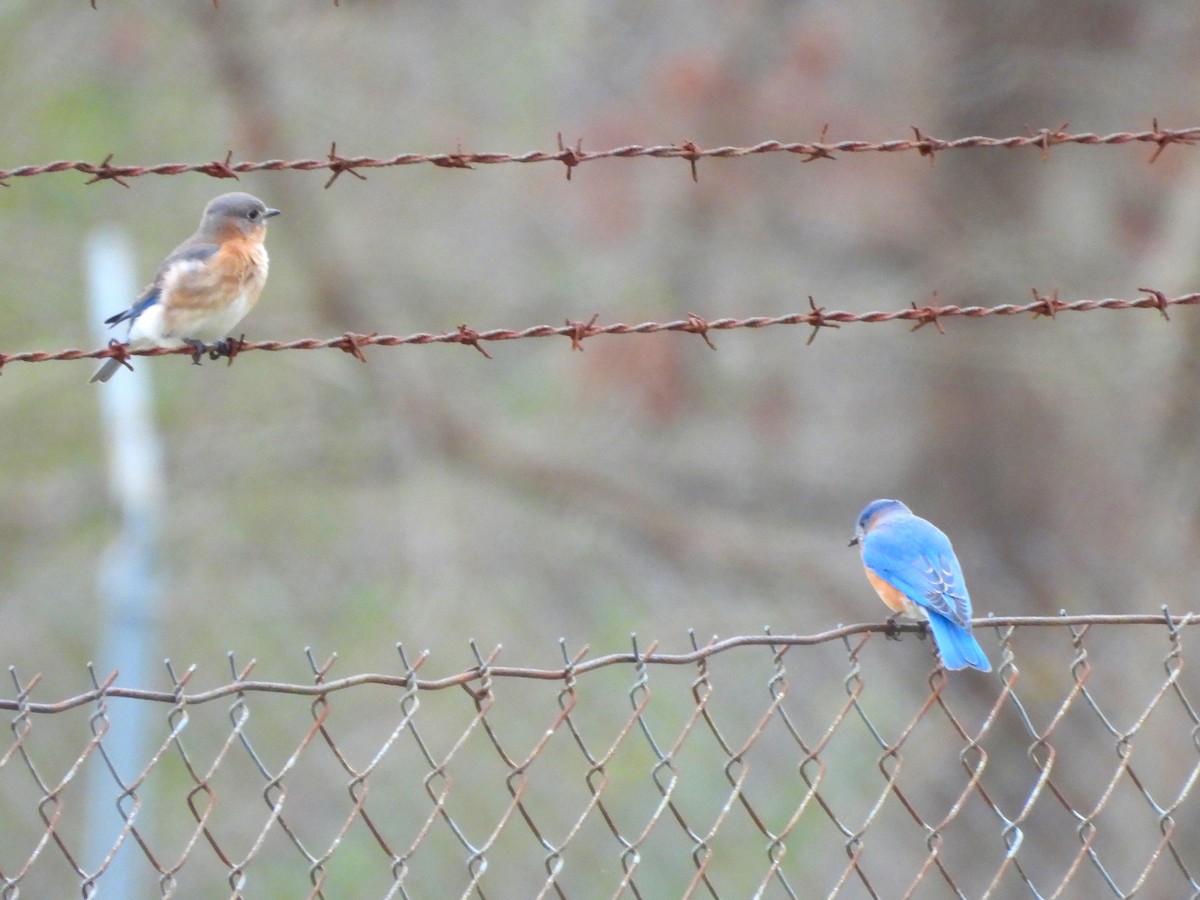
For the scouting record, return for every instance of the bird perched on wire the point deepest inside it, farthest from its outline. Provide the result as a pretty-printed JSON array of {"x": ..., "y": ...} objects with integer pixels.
[
  {"x": 205, "y": 287},
  {"x": 912, "y": 567}
]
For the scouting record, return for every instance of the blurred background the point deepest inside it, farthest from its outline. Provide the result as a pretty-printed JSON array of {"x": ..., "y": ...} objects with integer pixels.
[{"x": 647, "y": 484}]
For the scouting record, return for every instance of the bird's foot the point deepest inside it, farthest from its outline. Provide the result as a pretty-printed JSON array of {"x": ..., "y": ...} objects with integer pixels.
[
  {"x": 199, "y": 348},
  {"x": 890, "y": 629},
  {"x": 227, "y": 347}
]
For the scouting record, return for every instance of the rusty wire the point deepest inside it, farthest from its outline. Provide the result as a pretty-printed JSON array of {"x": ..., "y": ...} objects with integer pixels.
[
  {"x": 718, "y": 772},
  {"x": 577, "y": 331},
  {"x": 572, "y": 156}
]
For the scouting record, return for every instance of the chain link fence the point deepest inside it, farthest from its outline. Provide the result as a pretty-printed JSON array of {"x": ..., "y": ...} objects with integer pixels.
[{"x": 841, "y": 765}]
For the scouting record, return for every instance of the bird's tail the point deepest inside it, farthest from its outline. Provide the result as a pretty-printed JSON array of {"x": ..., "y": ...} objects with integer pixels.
[
  {"x": 957, "y": 645},
  {"x": 106, "y": 371}
]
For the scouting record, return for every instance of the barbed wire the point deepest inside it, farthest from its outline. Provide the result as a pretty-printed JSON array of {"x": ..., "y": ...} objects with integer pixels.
[
  {"x": 572, "y": 156},
  {"x": 817, "y": 318},
  {"x": 573, "y": 666}
]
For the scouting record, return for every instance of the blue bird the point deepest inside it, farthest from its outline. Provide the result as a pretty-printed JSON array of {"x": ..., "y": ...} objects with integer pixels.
[{"x": 912, "y": 567}]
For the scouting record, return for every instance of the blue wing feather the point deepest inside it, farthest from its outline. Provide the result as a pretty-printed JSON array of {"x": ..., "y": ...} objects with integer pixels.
[
  {"x": 916, "y": 557},
  {"x": 148, "y": 298}
]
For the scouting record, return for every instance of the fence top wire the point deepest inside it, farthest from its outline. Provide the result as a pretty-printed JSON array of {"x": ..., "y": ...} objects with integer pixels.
[
  {"x": 577, "y": 331},
  {"x": 486, "y": 669},
  {"x": 572, "y": 156}
]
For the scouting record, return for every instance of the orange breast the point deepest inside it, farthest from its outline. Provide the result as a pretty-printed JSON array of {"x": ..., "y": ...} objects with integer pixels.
[
  {"x": 239, "y": 266},
  {"x": 896, "y": 600}
]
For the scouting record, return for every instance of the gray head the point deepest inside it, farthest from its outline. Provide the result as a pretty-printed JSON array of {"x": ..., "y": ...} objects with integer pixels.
[
  {"x": 873, "y": 513},
  {"x": 244, "y": 212}
]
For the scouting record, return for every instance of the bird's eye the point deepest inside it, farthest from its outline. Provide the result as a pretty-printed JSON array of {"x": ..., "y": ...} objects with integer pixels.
[{"x": 252, "y": 215}]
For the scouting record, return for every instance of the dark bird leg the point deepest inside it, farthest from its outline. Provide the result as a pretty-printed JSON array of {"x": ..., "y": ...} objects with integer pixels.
[{"x": 198, "y": 349}]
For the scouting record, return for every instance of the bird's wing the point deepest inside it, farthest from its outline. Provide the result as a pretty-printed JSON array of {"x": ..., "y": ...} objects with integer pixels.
[
  {"x": 915, "y": 557},
  {"x": 186, "y": 256}
]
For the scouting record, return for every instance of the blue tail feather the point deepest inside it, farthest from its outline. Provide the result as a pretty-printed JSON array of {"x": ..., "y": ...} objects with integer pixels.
[{"x": 956, "y": 645}]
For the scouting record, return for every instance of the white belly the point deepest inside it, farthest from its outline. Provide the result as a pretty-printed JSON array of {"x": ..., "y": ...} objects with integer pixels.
[{"x": 157, "y": 328}]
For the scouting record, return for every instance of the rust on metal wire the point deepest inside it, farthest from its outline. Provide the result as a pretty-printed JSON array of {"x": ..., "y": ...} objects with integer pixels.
[
  {"x": 817, "y": 317},
  {"x": 573, "y": 156}
]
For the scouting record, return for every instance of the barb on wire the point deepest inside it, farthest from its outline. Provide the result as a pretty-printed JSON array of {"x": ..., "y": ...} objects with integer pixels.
[
  {"x": 572, "y": 156},
  {"x": 817, "y": 318},
  {"x": 571, "y": 670}
]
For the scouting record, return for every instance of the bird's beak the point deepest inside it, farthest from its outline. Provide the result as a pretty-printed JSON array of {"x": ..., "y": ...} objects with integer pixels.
[
  {"x": 270, "y": 213},
  {"x": 853, "y": 542}
]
